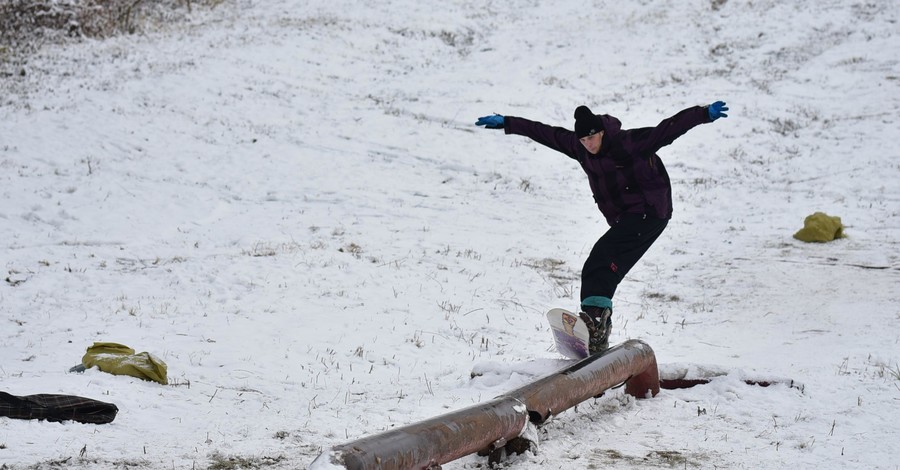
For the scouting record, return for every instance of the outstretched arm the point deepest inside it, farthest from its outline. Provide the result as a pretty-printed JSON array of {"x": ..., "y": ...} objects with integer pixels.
[
  {"x": 651, "y": 139},
  {"x": 556, "y": 138}
]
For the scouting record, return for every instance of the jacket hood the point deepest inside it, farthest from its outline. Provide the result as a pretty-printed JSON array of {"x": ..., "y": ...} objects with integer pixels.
[{"x": 611, "y": 125}]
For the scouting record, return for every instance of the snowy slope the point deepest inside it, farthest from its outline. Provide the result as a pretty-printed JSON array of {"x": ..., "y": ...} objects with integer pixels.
[{"x": 289, "y": 203}]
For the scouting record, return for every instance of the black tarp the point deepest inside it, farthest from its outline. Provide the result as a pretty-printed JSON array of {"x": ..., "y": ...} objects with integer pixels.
[{"x": 57, "y": 408}]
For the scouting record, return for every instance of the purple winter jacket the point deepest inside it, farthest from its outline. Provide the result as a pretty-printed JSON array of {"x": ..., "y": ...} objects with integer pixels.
[{"x": 626, "y": 176}]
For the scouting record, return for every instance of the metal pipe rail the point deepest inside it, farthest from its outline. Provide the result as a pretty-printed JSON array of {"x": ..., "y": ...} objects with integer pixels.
[
  {"x": 490, "y": 425},
  {"x": 631, "y": 362}
]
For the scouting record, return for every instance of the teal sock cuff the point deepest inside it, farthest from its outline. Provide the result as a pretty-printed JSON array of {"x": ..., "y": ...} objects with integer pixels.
[{"x": 597, "y": 301}]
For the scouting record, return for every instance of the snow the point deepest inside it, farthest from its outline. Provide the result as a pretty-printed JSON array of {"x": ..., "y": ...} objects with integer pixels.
[{"x": 288, "y": 202}]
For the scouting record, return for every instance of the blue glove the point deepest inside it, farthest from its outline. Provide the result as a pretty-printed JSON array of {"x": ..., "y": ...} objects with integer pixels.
[
  {"x": 494, "y": 121},
  {"x": 717, "y": 110}
]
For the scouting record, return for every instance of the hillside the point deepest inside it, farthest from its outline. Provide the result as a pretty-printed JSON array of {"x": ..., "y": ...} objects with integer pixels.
[{"x": 289, "y": 203}]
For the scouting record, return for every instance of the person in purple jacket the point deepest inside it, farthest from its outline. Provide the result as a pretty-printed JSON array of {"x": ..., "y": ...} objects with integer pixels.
[{"x": 630, "y": 186}]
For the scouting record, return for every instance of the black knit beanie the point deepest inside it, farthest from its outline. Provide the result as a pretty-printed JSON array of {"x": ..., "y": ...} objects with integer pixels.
[{"x": 586, "y": 123}]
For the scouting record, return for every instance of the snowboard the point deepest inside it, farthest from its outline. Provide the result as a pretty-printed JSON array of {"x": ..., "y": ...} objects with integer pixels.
[{"x": 569, "y": 333}]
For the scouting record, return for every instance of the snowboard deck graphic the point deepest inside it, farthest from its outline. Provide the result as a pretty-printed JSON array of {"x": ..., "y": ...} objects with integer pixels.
[{"x": 569, "y": 333}]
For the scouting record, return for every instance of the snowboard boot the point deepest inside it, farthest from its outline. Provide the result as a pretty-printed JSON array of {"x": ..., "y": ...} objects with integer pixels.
[{"x": 599, "y": 325}]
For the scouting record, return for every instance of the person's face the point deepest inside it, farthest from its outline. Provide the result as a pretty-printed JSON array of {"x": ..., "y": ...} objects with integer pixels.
[{"x": 592, "y": 142}]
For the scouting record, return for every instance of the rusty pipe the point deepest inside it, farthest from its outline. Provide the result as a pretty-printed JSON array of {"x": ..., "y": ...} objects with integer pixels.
[
  {"x": 631, "y": 362},
  {"x": 433, "y": 442}
]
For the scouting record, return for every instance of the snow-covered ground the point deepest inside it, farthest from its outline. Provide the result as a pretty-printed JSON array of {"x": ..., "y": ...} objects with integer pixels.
[{"x": 289, "y": 203}]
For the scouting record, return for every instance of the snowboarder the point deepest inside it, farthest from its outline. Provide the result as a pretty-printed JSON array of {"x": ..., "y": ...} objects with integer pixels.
[{"x": 630, "y": 186}]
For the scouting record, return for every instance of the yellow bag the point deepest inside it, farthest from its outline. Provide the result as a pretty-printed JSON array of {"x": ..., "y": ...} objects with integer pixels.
[
  {"x": 118, "y": 359},
  {"x": 820, "y": 227}
]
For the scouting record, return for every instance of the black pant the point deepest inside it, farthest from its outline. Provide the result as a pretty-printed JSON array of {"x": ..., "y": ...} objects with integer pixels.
[{"x": 617, "y": 251}]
